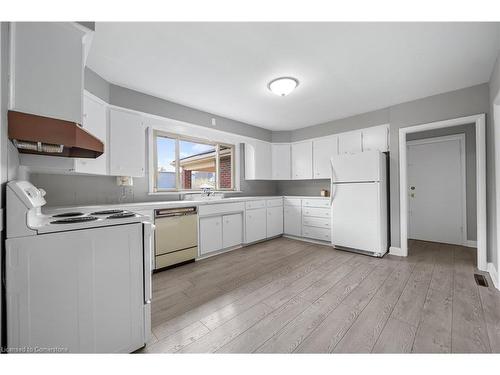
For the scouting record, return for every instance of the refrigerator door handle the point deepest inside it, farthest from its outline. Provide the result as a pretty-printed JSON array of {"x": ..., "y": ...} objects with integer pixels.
[{"x": 332, "y": 180}]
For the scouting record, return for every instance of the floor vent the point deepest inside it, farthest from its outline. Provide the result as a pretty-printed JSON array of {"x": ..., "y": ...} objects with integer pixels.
[{"x": 480, "y": 280}]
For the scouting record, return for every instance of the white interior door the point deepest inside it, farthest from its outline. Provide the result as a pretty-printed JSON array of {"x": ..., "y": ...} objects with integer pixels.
[{"x": 436, "y": 189}]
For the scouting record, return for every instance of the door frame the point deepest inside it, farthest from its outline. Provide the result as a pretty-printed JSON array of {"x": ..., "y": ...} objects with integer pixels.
[
  {"x": 453, "y": 137},
  {"x": 479, "y": 122}
]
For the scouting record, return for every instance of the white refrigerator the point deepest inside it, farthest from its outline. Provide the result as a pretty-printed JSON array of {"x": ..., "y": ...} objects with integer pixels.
[{"x": 359, "y": 202}]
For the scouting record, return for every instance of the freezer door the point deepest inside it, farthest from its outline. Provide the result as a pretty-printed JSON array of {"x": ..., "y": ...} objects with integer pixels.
[
  {"x": 363, "y": 166},
  {"x": 356, "y": 217}
]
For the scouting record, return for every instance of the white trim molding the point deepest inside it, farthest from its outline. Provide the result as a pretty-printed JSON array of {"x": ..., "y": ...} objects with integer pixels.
[
  {"x": 471, "y": 243},
  {"x": 396, "y": 251},
  {"x": 479, "y": 120},
  {"x": 494, "y": 275}
]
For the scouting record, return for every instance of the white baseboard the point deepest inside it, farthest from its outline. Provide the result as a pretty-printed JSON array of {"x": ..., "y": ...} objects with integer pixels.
[
  {"x": 471, "y": 243},
  {"x": 310, "y": 240},
  {"x": 396, "y": 251},
  {"x": 494, "y": 275}
]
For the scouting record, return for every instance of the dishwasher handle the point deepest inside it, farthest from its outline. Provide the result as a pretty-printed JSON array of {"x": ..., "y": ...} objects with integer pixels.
[{"x": 171, "y": 212}]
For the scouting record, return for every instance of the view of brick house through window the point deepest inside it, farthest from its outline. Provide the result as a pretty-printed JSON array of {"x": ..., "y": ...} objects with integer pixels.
[{"x": 197, "y": 164}]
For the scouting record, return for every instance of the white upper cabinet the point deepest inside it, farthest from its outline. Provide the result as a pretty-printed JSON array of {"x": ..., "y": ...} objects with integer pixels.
[
  {"x": 281, "y": 160},
  {"x": 48, "y": 60},
  {"x": 302, "y": 158},
  {"x": 95, "y": 121},
  {"x": 258, "y": 164},
  {"x": 350, "y": 142},
  {"x": 323, "y": 150},
  {"x": 376, "y": 138},
  {"x": 127, "y": 139}
]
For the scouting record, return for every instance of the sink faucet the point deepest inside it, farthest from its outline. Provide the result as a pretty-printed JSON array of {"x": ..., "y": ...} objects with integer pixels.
[{"x": 206, "y": 191}]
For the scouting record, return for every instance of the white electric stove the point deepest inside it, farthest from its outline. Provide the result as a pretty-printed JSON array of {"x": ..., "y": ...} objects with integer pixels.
[{"x": 75, "y": 281}]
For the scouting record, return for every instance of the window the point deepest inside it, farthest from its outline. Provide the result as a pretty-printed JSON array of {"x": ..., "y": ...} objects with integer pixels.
[{"x": 191, "y": 164}]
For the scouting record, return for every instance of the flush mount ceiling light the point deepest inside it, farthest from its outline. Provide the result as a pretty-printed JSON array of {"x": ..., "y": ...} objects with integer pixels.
[{"x": 283, "y": 86}]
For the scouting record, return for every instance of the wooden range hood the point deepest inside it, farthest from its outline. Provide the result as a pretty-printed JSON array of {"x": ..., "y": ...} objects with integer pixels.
[{"x": 33, "y": 134}]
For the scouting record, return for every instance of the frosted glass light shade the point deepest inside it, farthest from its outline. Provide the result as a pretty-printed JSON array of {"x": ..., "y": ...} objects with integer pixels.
[{"x": 283, "y": 86}]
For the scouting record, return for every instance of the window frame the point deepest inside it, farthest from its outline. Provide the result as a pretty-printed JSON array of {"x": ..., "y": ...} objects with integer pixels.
[{"x": 178, "y": 137}]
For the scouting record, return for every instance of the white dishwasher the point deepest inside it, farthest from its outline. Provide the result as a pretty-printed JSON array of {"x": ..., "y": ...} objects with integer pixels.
[{"x": 176, "y": 236}]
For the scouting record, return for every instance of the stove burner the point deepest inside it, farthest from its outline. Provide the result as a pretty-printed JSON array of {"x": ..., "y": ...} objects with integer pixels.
[
  {"x": 107, "y": 212},
  {"x": 121, "y": 215},
  {"x": 72, "y": 220},
  {"x": 69, "y": 214}
]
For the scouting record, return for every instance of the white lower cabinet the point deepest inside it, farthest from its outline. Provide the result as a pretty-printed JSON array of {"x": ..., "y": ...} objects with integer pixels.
[
  {"x": 316, "y": 233},
  {"x": 274, "y": 221},
  {"x": 255, "y": 225},
  {"x": 210, "y": 234},
  {"x": 232, "y": 230},
  {"x": 293, "y": 220},
  {"x": 316, "y": 219}
]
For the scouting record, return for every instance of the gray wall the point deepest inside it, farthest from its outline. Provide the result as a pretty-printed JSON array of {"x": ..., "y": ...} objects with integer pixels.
[
  {"x": 95, "y": 84},
  {"x": 67, "y": 190},
  {"x": 470, "y": 168},
  {"x": 303, "y": 187}
]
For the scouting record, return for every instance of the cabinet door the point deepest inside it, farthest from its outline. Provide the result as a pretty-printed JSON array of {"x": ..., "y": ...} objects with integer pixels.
[
  {"x": 323, "y": 150},
  {"x": 350, "y": 143},
  {"x": 376, "y": 138},
  {"x": 127, "y": 140},
  {"x": 47, "y": 69},
  {"x": 302, "y": 160},
  {"x": 274, "y": 221},
  {"x": 293, "y": 220},
  {"x": 281, "y": 161},
  {"x": 258, "y": 164},
  {"x": 232, "y": 230},
  {"x": 210, "y": 234},
  {"x": 95, "y": 121},
  {"x": 255, "y": 225}
]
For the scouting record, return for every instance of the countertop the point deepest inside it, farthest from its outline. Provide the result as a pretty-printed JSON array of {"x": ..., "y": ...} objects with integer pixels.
[{"x": 138, "y": 206}]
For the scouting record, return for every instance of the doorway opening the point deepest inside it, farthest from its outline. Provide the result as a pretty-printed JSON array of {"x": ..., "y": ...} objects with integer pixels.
[
  {"x": 461, "y": 228},
  {"x": 437, "y": 188}
]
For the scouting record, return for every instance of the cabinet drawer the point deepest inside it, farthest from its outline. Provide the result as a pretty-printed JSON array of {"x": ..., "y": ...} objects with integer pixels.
[
  {"x": 316, "y": 233},
  {"x": 220, "y": 208},
  {"x": 316, "y": 203},
  {"x": 315, "y": 211},
  {"x": 275, "y": 202},
  {"x": 250, "y": 205},
  {"x": 292, "y": 201},
  {"x": 318, "y": 222}
]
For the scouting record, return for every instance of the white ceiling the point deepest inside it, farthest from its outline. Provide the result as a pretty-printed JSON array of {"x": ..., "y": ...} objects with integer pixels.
[{"x": 343, "y": 68}]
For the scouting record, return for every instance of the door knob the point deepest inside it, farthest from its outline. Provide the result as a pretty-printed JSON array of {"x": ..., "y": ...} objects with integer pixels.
[{"x": 412, "y": 187}]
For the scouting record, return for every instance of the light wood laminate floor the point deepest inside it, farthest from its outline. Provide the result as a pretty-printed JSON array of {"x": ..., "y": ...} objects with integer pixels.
[{"x": 284, "y": 296}]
